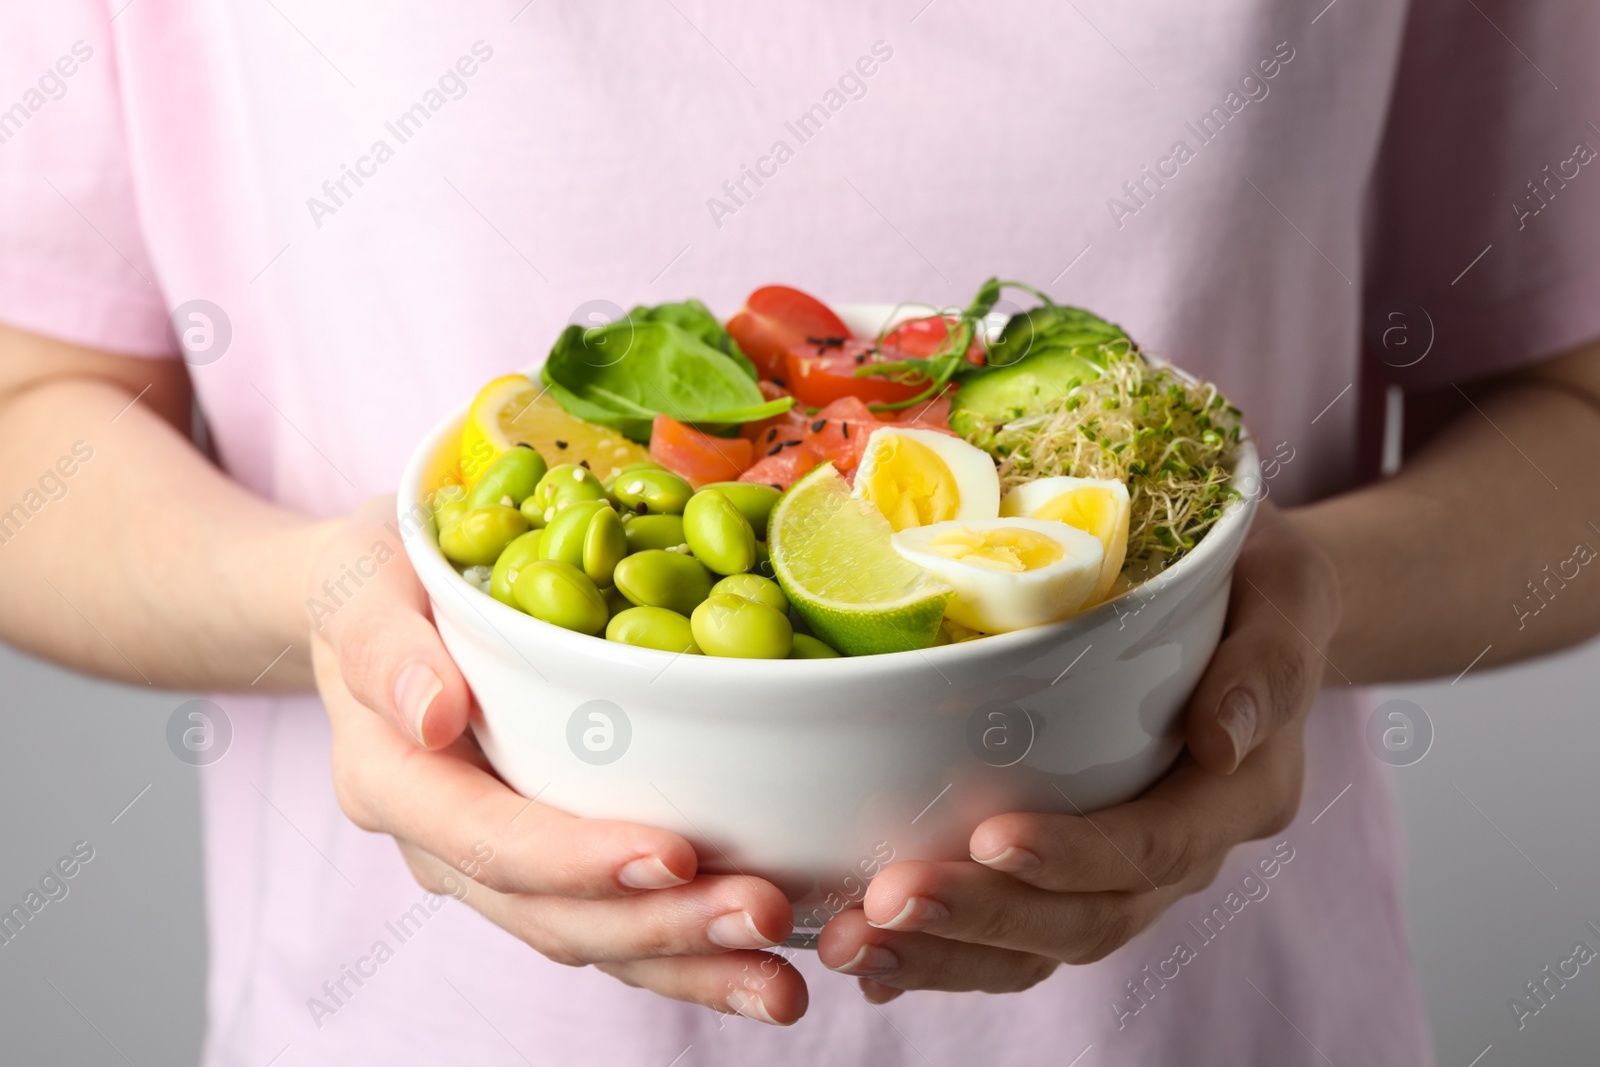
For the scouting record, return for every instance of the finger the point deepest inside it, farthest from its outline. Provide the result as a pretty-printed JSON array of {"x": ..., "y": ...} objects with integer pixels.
[
  {"x": 850, "y": 945},
  {"x": 455, "y": 810},
  {"x": 969, "y": 903},
  {"x": 1181, "y": 824},
  {"x": 710, "y": 915},
  {"x": 757, "y": 985},
  {"x": 1283, "y": 610},
  {"x": 367, "y": 603}
]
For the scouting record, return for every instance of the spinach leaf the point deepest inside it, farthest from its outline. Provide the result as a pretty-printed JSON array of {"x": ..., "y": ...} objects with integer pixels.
[
  {"x": 697, "y": 319},
  {"x": 622, "y": 375}
]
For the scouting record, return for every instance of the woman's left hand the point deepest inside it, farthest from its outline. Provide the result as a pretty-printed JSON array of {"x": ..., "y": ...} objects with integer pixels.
[{"x": 1051, "y": 889}]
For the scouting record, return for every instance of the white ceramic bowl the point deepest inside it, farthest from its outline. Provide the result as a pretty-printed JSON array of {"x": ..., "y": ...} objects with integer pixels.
[{"x": 816, "y": 773}]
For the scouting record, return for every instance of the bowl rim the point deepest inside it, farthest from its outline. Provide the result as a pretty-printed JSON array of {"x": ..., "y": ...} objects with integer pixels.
[{"x": 521, "y": 631}]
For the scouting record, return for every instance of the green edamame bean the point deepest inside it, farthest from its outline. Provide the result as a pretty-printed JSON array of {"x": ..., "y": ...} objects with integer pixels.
[
  {"x": 763, "y": 565},
  {"x": 656, "y": 628},
  {"x": 808, "y": 647},
  {"x": 754, "y": 500},
  {"x": 604, "y": 545},
  {"x": 654, "y": 531},
  {"x": 728, "y": 625},
  {"x": 651, "y": 493},
  {"x": 718, "y": 534},
  {"x": 533, "y": 513},
  {"x": 656, "y": 578},
  {"x": 477, "y": 538},
  {"x": 510, "y": 480},
  {"x": 629, "y": 468},
  {"x": 563, "y": 537},
  {"x": 449, "y": 503},
  {"x": 515, "y": 556},
  {"x": 561, "y": 594},
  {"x": 754, "y": 587},
  {"x": 615, "y": 601},
  {"x": 566, "y": 483}
]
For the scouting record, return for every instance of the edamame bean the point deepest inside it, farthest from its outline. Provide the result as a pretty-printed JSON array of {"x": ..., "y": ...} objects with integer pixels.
[
  {"x": 604, "y": 545},
  {"x": 656, "y": 628},
  {"x": 656, "y": 578},
  {"x": 615, "y": 601},
  {"x": 629, "y": 468},
  {"x": 566, "y": 483},
  {"x": 763, "y": 564},
  {"x": 533, "y": 512},
  {"x": 754, "y": 587},
  {"x": 728, "y": 625},
  {"x": 654, "y": 531},
  {"x": 808, "y": 647},
  {"x": 517, "y": 555},
  {"x": 477, "y": 538},
  {"x": 651, "y": 492},
  {"x": 718, "y": 534},
  {"x": 449, "y": 503},
  {"x": 563, "y": 537},
  {"x": 754, "y": 500},
  {"x": 510, "y": 480},
  {"x": 561, "y": 594}
]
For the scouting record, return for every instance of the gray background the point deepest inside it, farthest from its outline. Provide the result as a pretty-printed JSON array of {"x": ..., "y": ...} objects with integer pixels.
[{"x": 113, "y": 973}]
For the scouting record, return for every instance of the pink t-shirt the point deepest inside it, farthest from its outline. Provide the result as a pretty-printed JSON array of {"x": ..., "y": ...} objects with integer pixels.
[{"x": 393, "y": 203}]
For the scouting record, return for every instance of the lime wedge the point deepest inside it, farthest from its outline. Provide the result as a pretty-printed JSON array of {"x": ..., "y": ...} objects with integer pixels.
[{"x": 832, "y": 555}]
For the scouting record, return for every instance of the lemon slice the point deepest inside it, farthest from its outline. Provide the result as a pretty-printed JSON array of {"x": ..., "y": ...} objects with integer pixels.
[
  {"x": 514, "y": 410},
  {"x": 833, "y": 556},
  {"x": 1094, "y": 505}
]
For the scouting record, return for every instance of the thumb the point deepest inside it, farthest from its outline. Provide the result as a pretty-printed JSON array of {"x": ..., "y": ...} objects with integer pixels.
[
  {"x": 1283, "y": 610},
  {"x": 368, "y": 605}
]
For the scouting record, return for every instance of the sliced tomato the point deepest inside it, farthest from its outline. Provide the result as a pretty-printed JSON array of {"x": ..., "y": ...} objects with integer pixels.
[
  {"x": 783, "y": 467},
  {"x": 930, "y": 414},
  {"x": 921, "y": 338},
  {"x": 821, "y": 374},
  {"x": 698, "y": 457},
  {"x": 774, "y": 319}
]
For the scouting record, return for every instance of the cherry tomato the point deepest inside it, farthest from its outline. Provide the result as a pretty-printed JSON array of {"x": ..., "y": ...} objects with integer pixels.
[
  {"x": 821, "y": 374},
  {"x": 699, "y": 457},
  {"x": 774, "y": 319},
  {"x": 921, "y": 338}
]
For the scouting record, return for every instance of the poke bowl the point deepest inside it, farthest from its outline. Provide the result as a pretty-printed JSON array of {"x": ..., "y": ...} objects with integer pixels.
[{"x": 815, "y": 773}]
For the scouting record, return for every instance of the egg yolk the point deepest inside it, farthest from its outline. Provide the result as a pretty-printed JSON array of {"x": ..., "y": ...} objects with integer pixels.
[
  {"x": 911, "y": 485},
  {"x": 1091, "y": 508},
  {"x": 1004, "y": 548}
]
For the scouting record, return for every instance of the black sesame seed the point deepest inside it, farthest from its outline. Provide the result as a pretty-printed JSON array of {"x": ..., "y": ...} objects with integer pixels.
[
  {"x": 524, "y": 444},
  {"x": 776, "y": 486},
  {"x": 561, "y": 444},
  {"x": 772, "y": 435},
  {"x": 583, "y": 463},
  {"x": 788, "y": 444},
  {"x": 779, "y": 383},
  {"x": 861, "y": 357},
  {"x": 774, "y": 450},
  {"x": 846, "y": 428},
  {"x": 816, "y": 427}
]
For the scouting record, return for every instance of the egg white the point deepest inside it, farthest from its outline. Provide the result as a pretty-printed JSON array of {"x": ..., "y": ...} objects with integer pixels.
[
  {"x": 998, "y": 601},
  {"x": 1028, "y": 499}
]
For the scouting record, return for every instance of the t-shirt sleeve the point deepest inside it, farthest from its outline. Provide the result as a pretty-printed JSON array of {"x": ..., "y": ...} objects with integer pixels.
[
  {"x": 73, "y": 264},
  {"x": 1485, "y": 222}
]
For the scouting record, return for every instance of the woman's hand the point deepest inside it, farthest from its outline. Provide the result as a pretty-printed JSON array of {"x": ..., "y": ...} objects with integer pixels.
[
  {"x": 623, "y": 897},
  {"x": 1053, "y": 889}
]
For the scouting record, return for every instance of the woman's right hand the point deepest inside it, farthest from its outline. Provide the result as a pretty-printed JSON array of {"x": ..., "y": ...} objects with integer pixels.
[{"x": 623, "y": 897}]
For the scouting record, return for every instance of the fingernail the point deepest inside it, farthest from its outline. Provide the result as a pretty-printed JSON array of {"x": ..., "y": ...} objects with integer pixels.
[
  {"x": 414, "y": 693},
  {"x": 1012, "y": 861},
  {"x": 1238, "y": 718},
  {"x": 918, "y": 914},
  {"x": 750, "y": 1006},
  {"x": 870, "y": 962},
  {"x": 736, "y": 930},
  {"x": 648, "y": 872},
  {"x": 877, "y": 992}
]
